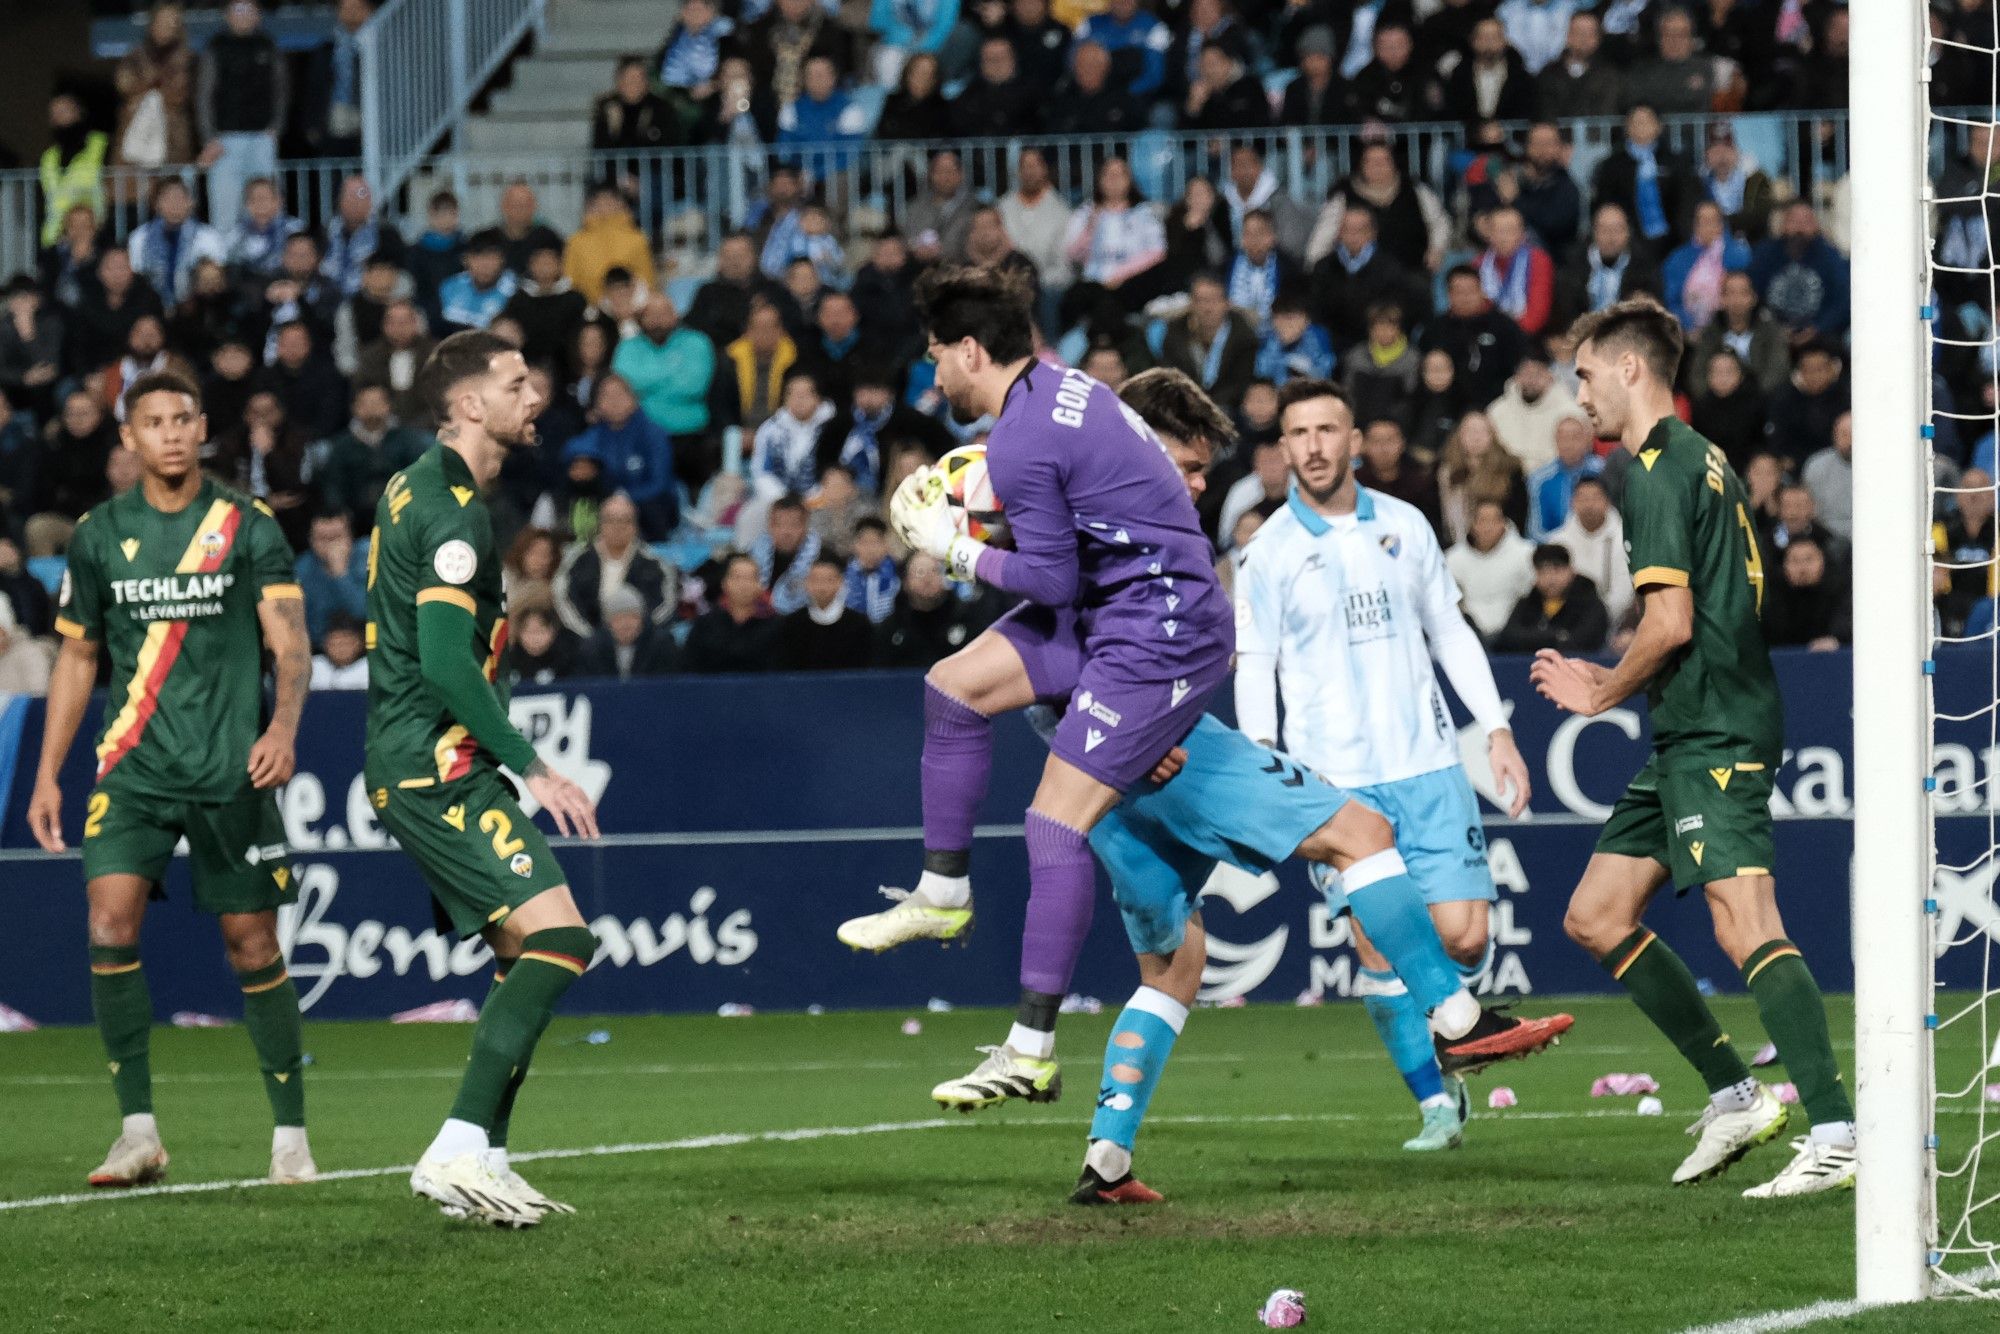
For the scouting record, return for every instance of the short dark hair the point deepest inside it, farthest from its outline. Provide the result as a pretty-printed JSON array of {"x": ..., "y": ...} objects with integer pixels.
[
  {"x": 1460, "y": 271},
  {"x": 463, "y": 356},
  {"x": 1382, "y": 419},
  {"x": 1592, "y": 480},
  {"x": 831, "y": 561},
  {"x": 160, "y": 382},
  {"x": 1290, "y": 301},
  {"x": 441, "y": 199},
  {"x": 1637, "y": 324},
  {"x": 1174, "y": 405},
  {"x": 344, "y": 622},
  {"x": 791, "y": 500},
  {"x": 1549, "y": 555},
  {"x": 994, "y": 309},
  {"x": 869, "y": 523},
  {"x": 1305, "y": 389}
]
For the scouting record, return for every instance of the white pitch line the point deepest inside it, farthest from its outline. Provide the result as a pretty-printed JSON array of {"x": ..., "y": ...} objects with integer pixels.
[{"x": 1799, "y": 1317}]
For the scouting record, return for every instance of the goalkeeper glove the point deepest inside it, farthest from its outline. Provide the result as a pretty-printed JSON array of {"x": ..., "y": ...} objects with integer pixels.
[{"x": 922, "y": 518}]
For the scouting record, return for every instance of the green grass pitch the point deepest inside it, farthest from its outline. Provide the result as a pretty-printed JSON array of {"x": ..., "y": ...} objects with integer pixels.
[{"x": 1275, "y": 1137}]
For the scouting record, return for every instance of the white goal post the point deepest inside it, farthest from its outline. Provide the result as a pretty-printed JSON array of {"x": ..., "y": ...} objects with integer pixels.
[{"x": 1895, "y": 1203}]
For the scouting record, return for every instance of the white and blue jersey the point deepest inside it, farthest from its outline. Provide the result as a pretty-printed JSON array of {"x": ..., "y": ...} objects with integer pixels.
[{"x": 1342, "y": 617}]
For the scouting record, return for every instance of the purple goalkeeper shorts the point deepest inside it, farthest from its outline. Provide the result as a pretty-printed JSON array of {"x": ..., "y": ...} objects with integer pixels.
[{"x": 1050, "y": 642}]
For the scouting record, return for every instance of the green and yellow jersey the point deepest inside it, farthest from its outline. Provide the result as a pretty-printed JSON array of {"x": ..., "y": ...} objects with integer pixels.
[
  {"x": 433, "y": 542},
  {"x": 173, "y": 598},
  {"x": 1688, "y": 525}
]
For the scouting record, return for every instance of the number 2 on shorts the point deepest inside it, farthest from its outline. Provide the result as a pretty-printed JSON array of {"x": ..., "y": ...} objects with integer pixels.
[
  {"x": 500, "y": 827},
  {"x": 93, "y": 820}
]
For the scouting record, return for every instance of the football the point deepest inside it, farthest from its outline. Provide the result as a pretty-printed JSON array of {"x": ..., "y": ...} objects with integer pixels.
[{"x": 975, "y": 510}]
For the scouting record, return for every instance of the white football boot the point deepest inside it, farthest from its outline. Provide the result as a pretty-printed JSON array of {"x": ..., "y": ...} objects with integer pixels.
[
  {"x": 1724, "y": 1137},
  {"x": 134, "y": 1160},
  {"x": 465, "y": 1187},
  {"x": 911, "y": 919},
  {"x": 1814, "y": 1168}
]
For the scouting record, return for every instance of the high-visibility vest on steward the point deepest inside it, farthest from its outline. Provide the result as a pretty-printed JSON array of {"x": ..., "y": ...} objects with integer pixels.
[{"x": 81, "y": 182}]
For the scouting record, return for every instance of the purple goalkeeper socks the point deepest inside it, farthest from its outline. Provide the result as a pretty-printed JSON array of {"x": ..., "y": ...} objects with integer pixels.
[
  {"x": 958, "y": 758},
  {"x": 1062, "y": 891}
]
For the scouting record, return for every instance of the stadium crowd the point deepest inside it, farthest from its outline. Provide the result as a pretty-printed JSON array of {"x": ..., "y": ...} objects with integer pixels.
[{"x": 708, "y": 488}]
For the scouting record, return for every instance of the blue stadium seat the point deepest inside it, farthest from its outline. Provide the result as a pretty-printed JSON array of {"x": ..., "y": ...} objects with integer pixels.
[
  {"x": 1277, "y": 81},
  {"x": 1153, "y": 154},
  {"x": 870, "y": 98},
  {"x": 49, "y": 570}
]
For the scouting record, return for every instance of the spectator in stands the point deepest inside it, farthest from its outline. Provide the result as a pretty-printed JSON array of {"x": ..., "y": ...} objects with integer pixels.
[
  {"x": 739, "y": 634},
  {"x": 1803, "y": 412},
  {"x": 394, "y": 359},
  {"x": 928, "y": 623},
  {"x": 1801, "y": 278},
  {"x": 1104, "y": 363},
  {"x": 1517, "y": 275},
  {"x": 1607, "y": 270},
  {"x": 1811, "y": 606},
  {"x": 608, "y": 240},
  {"x": 721, "y": 306},
  {"x": 1382, "y": 375},
  {"x": 1293, "y": 346},
  {"x": 333, "y": 573},
  {"x": 937, "y": 221},
  {"x": 360, "y": 460},
  {"x": 1829, "y": 476},
  {"x": 1552, "y": 486},
  {"x": 333, "y": 84},
  {"x": 528, "y": 570},
  {"x": 1090, "y": 100},
  {"x": 1198, "y": 239},
  {"x": 907, "y": 29},
  {"x": 1594, "y": 536},
  {"x": 1692, "y": 275},
  {"x": 1491, "y": 82},
  {"x": 1410, "y": 221},
  {"x": 1822, "y": 77},
  {"x": 834, "y": 349},
  {"x": 1386, "y": 466},
  {"x": 1358, "y": 274},
  {"x": 1965, "y": 539},
  {"x": 1485, "y": 346},
  {"x": 998, "y": 103},
  {"x": 1539, "y": 30},
  {"x": 821, "y": 114},
  {"x": 145, "y": 354},
  {"x": 1763, "y": 477},
  {"x": 1494, "y": 568},
  {"x": 1563, "y": 612},
  {"x": 65, "y": 266},
  {"x": 156, "y": 81},
  {"x": 635, "y": 457},
  {"x": 254, "y": 250},
  {"x": 1249, "y": 187},
  {"x": 1543, "y": 191},
  {"x": 1798, "y": 520},
  {"x": 355, "y": 235},
  {"x": 70, "y": 475},
  {"x": 633, "y": 117},
  {"x": 870, "y": 578},
  {"x": 691, "y": 57},
  {"x": 1729, "y": 406},
  {"x": 785, "y": 457},
  {"x": 226, "y": 385},
  {"x": 1137, "y": 43},
  {"x": 1212, "y": 342},
  {"x": 539, "y": 651},
  {"x": 548, "y": 308},
  {"x": 616, "y": 312},
  {"x": 242, "y": 99},
  {"x": 299, "y": 292},
  {"x": 760, "y": 360},
  {"x": 207, "y": 314},
  {"x": 31, "y": 348},
  {"x": 791, "y": 32},
  {"x": 1741, "y": 39},
  {"x": 1526, "y": 416},
  {"x": 106, "y": 312},
  {"x": 304, "y": 376},
  {"x": 22, "y": 596},
  {"x": 1036, "y": 219},
  {"x": 613, "y": 558},
  {"x": 630, "y": 644},
  {"x": 916, "y": 107},
  {"x": 670, "y": 367},
  {"x": 1315, "y": 98},
  {"x": 20, "y": 454},
  {"x": 1258, "y": 271},
  {"x": 440, "y": 251},
  {"x": 1476, "y": 468},
  {"x": 266, "y": 455},
  {"x": 1225, "y": 95},
  {"x": 1677, "y": 80},
  {"x": 824, "y": 634},
  {"x": 72, "y": 168},
  {"x": 1648, "y": 181},
  {"x": 1266, "y": 480},
  {"x": 474, "y": 298},
  {"x": 1745, "y": 195},
  {"x": 1742, "y": 326},
  {"x": 1113, "y": 240},
  {"x": 1392, "y": 87},
  {"x": 784, "y": 553},
  {"x": 520, "y": 231}
]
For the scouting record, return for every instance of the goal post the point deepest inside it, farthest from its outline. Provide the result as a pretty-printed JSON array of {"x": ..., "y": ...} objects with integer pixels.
[{"x": 1889, "y": 185}]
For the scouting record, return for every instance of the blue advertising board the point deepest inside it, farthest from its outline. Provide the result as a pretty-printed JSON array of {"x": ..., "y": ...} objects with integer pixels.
[{"x": 746, "y": 817}]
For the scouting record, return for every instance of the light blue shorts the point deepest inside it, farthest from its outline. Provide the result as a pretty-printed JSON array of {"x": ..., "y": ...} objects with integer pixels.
[
  {"x": 1233, "y": 801},
  {"x": 1439, "y": 831}
]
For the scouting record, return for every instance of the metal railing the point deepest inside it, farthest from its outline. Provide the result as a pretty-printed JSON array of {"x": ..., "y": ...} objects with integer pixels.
[
  {"x": 422, "y": 62},
  {"x": 689, "y": 199}
]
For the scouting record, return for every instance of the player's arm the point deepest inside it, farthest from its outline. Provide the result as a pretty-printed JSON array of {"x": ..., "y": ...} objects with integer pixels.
[
  {"x": 1258, "y": 621},
  {"x": 1455, "y": 647},
  {"x": 79, "y": 621},
  {"x": 1043, "y": 565},
  {"x": 281, "y": 612},
  {"x": 1665, "y": 627}
]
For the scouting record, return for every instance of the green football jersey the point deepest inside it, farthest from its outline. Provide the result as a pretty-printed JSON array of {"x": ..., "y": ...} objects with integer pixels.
[
  {"x": 433, "y": 542},
  {"x": 1687, "y": 524},
  {"x": 173, "y": 598}
]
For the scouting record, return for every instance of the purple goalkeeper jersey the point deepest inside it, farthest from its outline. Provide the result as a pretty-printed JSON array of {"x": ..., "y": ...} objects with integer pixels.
[{"x": 1102, "y": 522}]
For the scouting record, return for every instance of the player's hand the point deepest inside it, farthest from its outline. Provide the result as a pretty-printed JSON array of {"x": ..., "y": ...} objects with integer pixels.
[
  {"x": 569, "y": 805},
  {"x": 272, "y": 761},
  {"x": 45, "y": 816},
  {"x": 1510, "y": 771},
  {"x": 1568, "y": 683},
  {"x": 919, "y": 514},
  {"x": 1175, "y": 761}
]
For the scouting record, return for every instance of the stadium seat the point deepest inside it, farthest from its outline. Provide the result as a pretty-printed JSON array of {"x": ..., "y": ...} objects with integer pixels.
[
  {"x": 1153, "y": 156},
  {"x": 49, "y": 570}
]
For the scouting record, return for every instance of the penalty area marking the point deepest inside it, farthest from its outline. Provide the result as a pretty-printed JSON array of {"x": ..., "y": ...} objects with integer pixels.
[{"x": 1799, "y": 1317}]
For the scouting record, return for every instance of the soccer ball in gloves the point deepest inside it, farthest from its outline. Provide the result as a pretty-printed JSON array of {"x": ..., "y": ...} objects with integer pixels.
[{"x": 968, "y": 493}]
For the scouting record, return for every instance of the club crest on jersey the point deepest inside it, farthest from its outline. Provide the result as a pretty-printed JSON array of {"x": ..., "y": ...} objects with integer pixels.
[
  {"x": 455, "y": 561},
  {"x": 523, "y": 865},
  {"x": 1392, "y": 544},
  {"x": 212, "y": 544}
]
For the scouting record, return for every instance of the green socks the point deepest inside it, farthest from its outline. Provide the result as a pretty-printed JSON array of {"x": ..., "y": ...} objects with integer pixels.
[
  {"x": 1665, "y": 992},
  {"x": 1789, "y": 1003},
  {"x": 124, "y": 1012},
  {"x": 496, "y": 1134},
  {"x": 516, "y": 1012},
  {"x": 271, "y": 1013}
]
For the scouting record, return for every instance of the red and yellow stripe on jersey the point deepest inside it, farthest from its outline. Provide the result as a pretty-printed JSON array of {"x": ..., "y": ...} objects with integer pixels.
[
  {"x": 455, "y": 749},
  {"x": 162, "y": 647}
]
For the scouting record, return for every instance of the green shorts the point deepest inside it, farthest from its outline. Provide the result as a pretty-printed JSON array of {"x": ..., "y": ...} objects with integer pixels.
[
  {"x": 237, "y": 847},
  {"x": 479, "y": 854},
  {"x": 1703, "y": 825}
]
